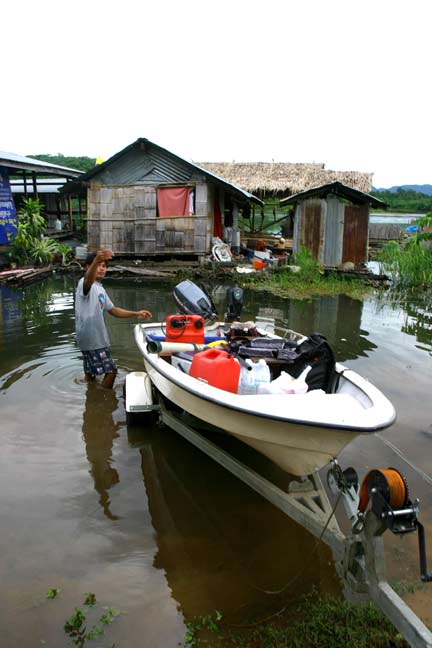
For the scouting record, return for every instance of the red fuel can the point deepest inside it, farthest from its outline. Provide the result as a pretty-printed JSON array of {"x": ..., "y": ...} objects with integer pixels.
[
  {"x": 185, "y": 328},
  {"x": 217, "y": 368}
]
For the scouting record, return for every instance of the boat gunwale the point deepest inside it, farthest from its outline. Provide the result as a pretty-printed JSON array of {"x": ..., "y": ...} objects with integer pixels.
[{"x": 159, "y": 367}]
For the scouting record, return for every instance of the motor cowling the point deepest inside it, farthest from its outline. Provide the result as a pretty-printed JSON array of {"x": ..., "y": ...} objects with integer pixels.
[
  {"x": 234, "y": 298},
  {"x": 193, "y": 300}
]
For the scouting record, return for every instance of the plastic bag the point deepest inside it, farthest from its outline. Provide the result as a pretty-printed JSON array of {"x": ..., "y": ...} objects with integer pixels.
[{"x": 286, "y": 384}]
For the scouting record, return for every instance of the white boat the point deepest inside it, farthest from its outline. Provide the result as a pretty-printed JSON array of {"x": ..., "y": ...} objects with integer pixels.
[{"x": 299, "y": 432}]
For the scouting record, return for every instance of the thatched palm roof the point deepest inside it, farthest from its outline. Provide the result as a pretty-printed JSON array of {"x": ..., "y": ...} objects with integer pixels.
[{"x": 285, "y": 178}]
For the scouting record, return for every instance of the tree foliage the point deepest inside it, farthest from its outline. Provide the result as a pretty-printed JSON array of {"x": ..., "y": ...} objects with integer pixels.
[
  {"x": 81, "y": 163},
  {"x": 405, "y": 200}
]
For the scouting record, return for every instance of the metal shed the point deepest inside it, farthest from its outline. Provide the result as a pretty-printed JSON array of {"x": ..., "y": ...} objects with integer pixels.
[
  {"x": 132, "y": 207},
  {"x": 332, "y": 221}
]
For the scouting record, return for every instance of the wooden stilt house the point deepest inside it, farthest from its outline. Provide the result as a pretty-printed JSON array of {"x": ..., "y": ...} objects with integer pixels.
[
  {"x": 146, "y": 201},
  {"x": 332, "y": 221}
]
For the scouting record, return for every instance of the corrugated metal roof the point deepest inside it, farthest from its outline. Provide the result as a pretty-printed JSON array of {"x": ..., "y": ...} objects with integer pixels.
[
  {"x": 51, "y": 185},
  {"x": 159, "y": 164},
  {"x": 338, "y": 189},
  {"x": 14, "y": 161}
]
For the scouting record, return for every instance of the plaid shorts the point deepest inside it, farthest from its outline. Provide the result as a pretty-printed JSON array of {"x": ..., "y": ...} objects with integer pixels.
[{"x": 98, "y": 362}]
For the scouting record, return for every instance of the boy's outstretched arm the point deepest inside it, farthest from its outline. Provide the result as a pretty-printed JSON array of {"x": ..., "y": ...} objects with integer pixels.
[
  {"x": 121, "y": 312},
  {"x": 103, "y": 254}
]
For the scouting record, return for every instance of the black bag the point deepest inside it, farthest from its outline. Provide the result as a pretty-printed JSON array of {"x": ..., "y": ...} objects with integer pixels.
[
  {"x": 316, "y": 352},
  {"x": 271, "y": 348},
  {"x": 289, "y": 356}
]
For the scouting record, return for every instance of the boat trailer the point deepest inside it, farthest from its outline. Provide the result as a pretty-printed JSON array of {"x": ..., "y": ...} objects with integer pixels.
[{"x": 380, "y": 503}]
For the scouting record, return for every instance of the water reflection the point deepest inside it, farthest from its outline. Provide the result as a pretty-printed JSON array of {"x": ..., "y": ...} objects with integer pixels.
[
  {"x": 32, "y": 317},
  {"x": 10, "y": 315},
  {"x": 219, "y": 544},
  {"x": 99, "y": 431},
  {"x": 338, "y": 317},
  {"x": 414, "y": 311}
]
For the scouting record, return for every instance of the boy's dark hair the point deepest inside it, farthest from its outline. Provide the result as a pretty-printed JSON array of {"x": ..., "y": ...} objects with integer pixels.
[{"x": 90, "y": 258}]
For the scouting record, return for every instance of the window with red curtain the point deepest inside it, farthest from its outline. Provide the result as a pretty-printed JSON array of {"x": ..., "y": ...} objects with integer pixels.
[{"x": 174, "y": 201}]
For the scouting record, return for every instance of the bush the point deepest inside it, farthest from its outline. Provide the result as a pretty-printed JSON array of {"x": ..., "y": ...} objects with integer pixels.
[
  {"x": 28, "y": 244},
  {"x": 42, "y": 250}
]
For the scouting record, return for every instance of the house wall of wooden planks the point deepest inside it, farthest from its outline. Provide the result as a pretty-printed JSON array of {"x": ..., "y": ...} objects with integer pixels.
[{"x": 124, "y": 218}]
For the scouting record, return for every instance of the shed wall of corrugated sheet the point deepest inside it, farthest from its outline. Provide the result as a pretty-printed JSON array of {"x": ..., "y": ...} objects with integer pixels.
[
  {"x": 355, "y": 241},
  {"x": 333, "y": 231}
]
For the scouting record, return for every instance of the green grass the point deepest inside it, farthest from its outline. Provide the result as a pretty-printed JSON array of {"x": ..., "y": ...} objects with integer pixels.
[
  {"x": 410, "y": 266},
  {"x": 309, "y": 282},
  {"x": 314, "y": 622},
  {"x": 298, "y": 286}
]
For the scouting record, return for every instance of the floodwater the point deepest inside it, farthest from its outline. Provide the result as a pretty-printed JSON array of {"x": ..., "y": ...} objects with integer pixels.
[
  {"x": 141, "y": 518},
  {"x": 392, "y": 218}
]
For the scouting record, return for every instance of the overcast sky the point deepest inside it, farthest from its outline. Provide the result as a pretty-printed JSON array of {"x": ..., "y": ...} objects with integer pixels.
[{"x": 343, "y": 82}]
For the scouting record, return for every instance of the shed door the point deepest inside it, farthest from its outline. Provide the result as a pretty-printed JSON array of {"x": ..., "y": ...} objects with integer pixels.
[
  {"x": 355, "y": 237},
  {"x": 312, "y": 228}
]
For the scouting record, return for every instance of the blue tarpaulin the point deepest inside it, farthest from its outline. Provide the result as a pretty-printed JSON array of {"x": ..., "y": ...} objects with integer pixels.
[{"x": 412, "y": 229}]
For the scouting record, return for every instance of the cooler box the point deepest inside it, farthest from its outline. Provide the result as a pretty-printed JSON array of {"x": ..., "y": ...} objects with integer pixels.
[
  {"x": 185, "y": 328},
  {"x": 182, "y": 360},
  {"x": 217, "y": 368}
]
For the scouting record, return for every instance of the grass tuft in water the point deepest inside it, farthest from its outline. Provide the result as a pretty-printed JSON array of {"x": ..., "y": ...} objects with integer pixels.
[
  {"x": 316, "y": 622},
  {"x": 307, "y": 281},
  {"x": 410, "y": 266}
]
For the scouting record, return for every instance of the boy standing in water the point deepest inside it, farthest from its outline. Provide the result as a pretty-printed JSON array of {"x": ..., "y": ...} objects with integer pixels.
[{"x": 91, "y": 302}]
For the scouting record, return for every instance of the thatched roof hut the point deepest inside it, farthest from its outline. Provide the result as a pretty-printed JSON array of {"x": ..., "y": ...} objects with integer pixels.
[{"x": 284, "y": 178}]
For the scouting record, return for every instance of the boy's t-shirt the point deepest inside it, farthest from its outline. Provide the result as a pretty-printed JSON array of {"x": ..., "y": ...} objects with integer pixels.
[{"x": 91, "y": 332}]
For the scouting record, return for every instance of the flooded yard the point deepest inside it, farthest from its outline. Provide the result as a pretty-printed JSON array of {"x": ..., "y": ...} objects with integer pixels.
[{"x": 145, "y": 521}]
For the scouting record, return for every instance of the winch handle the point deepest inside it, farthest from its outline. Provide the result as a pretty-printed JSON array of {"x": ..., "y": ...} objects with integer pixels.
[{"x": 424, "y": 575}]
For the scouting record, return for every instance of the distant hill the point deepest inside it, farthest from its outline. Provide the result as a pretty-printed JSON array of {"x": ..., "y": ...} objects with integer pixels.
[
  {"x": 407, "y": 198},
  {"x": 424, "y": 189}
]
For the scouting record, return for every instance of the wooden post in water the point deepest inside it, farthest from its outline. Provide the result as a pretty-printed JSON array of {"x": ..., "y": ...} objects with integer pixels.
[
  {"x": 70, "y": 212},
  {"x": 262, "y": 219},
  {"x": 35, "y": 191}
]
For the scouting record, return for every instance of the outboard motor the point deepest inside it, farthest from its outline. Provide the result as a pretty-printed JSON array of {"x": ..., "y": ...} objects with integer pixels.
[
  {"x": 234, "y": 298},
  {"x": 192, "y": 300}
]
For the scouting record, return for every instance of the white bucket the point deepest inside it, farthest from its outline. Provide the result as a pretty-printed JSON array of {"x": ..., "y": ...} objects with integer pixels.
[
  {"x": 263, "y": 255},
  {"x": 81, "y": 252}
]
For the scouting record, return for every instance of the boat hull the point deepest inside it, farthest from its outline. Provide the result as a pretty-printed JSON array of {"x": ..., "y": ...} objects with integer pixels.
[
  {"x": 299, "y": 433},
  {"x": 297, "y": 448}
]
